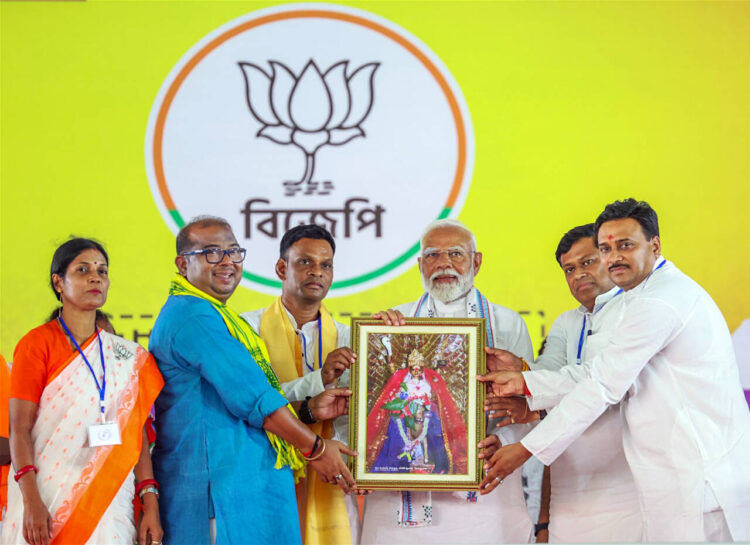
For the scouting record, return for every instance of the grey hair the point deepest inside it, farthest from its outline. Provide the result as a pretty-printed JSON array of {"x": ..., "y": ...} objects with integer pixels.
[
  {"x": 443, "y": 223},
  {"x": 183, "y": 242}
]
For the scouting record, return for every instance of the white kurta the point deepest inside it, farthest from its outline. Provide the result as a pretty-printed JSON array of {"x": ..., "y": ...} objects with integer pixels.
[
  {"x": 556, "y": 372},
  {"x": 593, "y": 498},
  {"x": 686, "y": 424},
  {"x": 499, "y": 517}
]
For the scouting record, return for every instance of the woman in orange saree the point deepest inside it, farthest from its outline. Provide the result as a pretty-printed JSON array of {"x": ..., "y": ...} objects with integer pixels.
[{"x": 79, "y": 400}]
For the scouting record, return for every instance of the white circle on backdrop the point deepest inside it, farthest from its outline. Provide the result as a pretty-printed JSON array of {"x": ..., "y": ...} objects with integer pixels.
[{"x": 312, "y": 113}]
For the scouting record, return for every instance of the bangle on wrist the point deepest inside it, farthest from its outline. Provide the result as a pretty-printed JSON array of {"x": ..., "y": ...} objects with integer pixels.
[
  {"x": 525, "y": 366},
  {"x": 24, "y": 470},
  {"x": 149, "y": 490},
  {"x": 538, "y": 527},
  {"x": 319, "y": 454},
  {"x": 306, "y": 455},
  {"x": 146, "y": 483}
]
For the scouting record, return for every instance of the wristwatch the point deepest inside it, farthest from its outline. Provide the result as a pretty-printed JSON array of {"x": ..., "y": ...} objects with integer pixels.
[
  {"x": 540, "y": 526},
  {"x": 305, "y": 414}
]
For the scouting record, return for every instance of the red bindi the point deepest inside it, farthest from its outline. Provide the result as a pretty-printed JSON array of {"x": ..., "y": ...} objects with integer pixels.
[{"x": 610, "y": 237}]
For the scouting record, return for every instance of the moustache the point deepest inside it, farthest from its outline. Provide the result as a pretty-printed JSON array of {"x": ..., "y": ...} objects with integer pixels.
[
  {"x": 445, "y": 272},
  {"x": 613, "y": 267}
]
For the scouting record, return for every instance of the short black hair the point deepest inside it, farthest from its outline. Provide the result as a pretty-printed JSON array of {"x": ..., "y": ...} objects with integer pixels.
[
  {"x": 573, "y": 236},
  {"x": 640, "y": 211},
  {"x": 184, "y": 243},
  {"x": 67, "y": 252},
  {"x": 304, "y": 231}
]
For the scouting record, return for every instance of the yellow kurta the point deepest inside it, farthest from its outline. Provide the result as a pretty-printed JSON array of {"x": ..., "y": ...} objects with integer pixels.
[{"x": 323, "y": 515}]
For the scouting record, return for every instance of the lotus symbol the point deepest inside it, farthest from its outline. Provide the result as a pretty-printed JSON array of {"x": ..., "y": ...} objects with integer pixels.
[{"x": 310, "y": 110}]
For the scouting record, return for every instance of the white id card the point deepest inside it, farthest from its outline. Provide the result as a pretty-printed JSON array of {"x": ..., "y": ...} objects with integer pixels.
[{"x": 102, "y": 435}]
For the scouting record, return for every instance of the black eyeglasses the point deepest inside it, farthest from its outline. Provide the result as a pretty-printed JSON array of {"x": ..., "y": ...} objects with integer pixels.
[{"x": 216, "y": 255}]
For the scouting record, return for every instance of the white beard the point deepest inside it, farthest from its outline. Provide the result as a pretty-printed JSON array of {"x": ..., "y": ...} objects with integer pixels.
[{"x": 448, "y": 292}]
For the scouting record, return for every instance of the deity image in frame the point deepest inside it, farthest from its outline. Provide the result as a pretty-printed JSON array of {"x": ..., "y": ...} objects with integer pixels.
[{"x": 416, "y": 410}]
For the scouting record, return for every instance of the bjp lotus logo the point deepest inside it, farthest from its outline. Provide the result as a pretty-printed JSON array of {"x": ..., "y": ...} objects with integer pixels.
[
  {"x": 273, "y": 109},
  {"x": 311, "y": 110}
]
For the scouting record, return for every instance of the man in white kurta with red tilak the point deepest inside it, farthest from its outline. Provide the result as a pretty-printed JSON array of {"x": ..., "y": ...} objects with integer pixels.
[
  {"x": 448, "y": 263},
  {"x": 593, "y": 498},
  {"x": 671, "y": 366}
]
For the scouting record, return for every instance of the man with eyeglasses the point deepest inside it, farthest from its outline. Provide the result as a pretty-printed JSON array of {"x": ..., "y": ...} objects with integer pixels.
[
  {"x": 449, "y": 263},
  {"x": 228, "y": 446},
  {"x": 310, "y": 353}
]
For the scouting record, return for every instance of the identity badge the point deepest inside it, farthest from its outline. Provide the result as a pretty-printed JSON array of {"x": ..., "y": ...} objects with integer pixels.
[{"x": 103, "y": 435}]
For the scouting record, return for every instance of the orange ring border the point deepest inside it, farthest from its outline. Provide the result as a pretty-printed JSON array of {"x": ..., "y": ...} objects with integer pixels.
[{"x": 297, "y": 14}]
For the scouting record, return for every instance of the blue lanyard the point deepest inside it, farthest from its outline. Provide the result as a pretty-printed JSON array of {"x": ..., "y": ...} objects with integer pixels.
[
  {"x": 103, "y": 387},
  {"x": 583, "y": 328},
  {"x": 580, "y": 341},
  {"x": 320, "y": 347}
]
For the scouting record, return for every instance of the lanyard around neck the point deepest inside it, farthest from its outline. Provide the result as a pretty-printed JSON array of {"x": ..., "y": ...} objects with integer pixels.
[
  {"x": 580, "y": 341},
  {"x": 103, "y": 386},
  {"x": 320, "y": 347},
  {"x": 583, "y": 327}
]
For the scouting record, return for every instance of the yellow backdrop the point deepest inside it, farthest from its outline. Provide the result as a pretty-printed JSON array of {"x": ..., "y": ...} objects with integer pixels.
[{"x": 573, "y": 105}]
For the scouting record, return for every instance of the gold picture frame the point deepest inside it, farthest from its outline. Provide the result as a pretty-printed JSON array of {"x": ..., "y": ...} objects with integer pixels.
[{"x": 416, "y": 412}]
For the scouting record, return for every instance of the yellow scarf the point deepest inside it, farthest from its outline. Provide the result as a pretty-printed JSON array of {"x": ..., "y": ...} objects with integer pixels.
[
  {"x": 243, "y": 332},
  {"x": 326, "y": 520}
]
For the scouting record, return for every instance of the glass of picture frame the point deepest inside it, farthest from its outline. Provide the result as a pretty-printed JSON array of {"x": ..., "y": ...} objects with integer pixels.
[{"x": 416, "y": 413}]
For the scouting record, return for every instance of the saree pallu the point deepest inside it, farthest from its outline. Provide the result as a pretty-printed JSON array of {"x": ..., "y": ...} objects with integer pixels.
[{"x": 89, "y": 491}]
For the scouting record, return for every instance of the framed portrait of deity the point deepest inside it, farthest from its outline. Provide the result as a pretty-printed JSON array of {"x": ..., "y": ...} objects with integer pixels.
[{"x": 415, "y": 415}]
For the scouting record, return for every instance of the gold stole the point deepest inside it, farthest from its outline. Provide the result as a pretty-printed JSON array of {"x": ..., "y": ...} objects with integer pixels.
[{"x": 323, "y": 515}]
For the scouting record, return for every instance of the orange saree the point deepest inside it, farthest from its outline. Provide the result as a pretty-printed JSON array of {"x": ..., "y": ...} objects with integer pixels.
[{"x": 88, "y": 491}]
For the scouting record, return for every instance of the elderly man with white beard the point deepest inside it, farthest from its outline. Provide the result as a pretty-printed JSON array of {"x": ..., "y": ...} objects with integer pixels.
[{"x": 448, "y": 264}]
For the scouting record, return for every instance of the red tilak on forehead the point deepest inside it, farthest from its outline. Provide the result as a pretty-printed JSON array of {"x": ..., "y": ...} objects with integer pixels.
[{"x": 610, "y": 237}]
